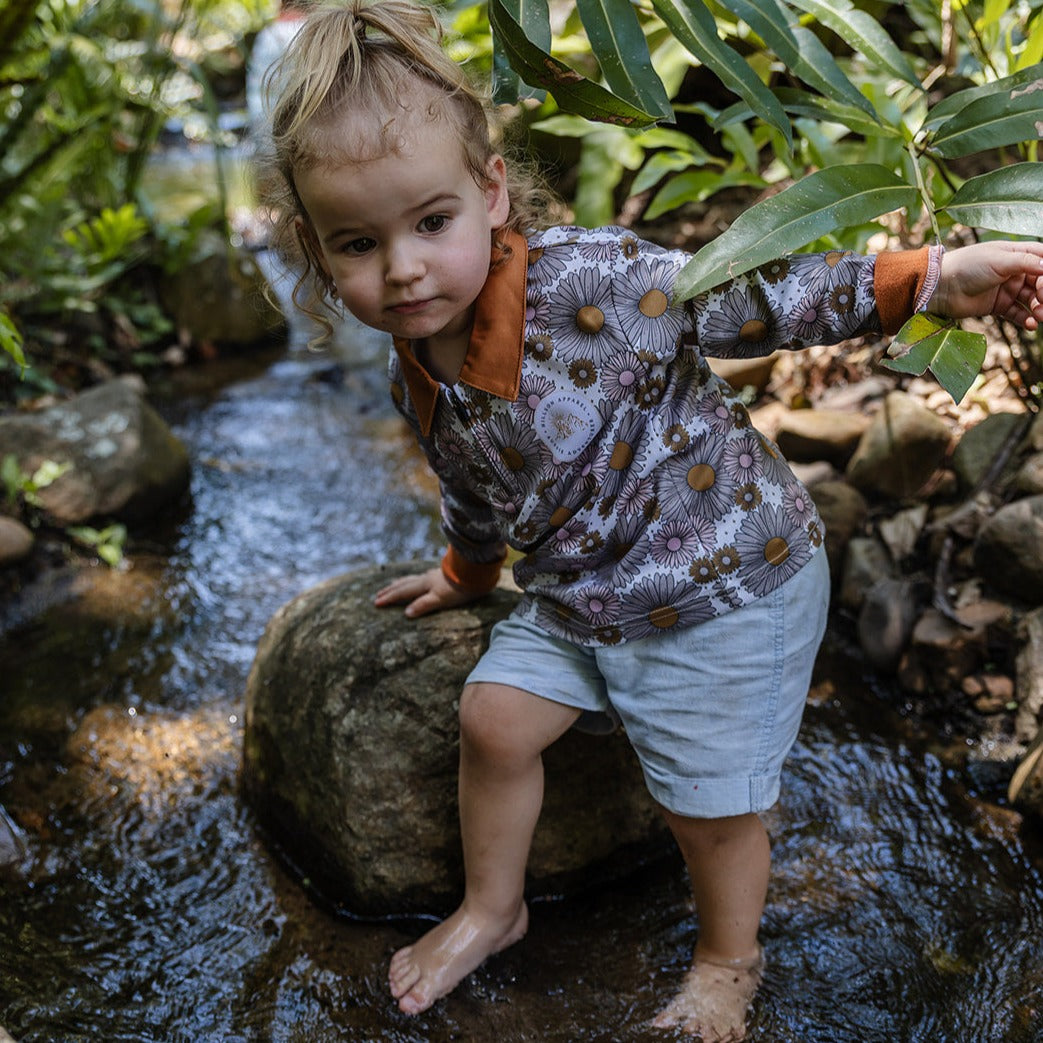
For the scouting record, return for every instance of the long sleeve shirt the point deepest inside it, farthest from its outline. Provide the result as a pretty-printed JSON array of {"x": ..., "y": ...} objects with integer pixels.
[{"x": 587, "y": 431}]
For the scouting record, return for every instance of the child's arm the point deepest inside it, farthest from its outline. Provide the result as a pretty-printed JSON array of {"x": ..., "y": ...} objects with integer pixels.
[{"x": 1004, "y": 279}]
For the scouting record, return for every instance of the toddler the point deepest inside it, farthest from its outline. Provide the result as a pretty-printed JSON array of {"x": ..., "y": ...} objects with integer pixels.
[{"x": 674, "y": 576}]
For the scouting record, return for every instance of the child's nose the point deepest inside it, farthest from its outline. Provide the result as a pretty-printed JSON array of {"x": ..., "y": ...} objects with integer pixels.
[{"x": 403, "y": 264}]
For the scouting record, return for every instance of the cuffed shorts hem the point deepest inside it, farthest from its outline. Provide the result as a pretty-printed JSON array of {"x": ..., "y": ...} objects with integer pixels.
[{"x": 714, "y": 798}]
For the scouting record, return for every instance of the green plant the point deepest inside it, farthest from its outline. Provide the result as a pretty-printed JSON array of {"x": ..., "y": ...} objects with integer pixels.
[
  {"x": 107, "y": 543},
  {"x": 11, "y": 341},
  {"x": 824, "y": 97},
  {"x": 19, "y": 484}
]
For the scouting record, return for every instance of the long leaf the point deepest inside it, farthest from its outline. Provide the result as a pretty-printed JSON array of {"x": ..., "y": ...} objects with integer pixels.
[
  {"x": 1009, "y": 200},
  {"x": 800, "y": 50},
  {"x": 534, "y": 18},
  {"x": 817, "y": 204},
  {"x": 799, "y": 102},
  {"x": 1008, "y": 118},
  {"x": 950, "y": 106},
  {"x": 953, "y": 355},
  {"x": 864, "y": 33},
  {"x": 619, "y": 45},
  {"x": 572, "y": 91},
  {"x": 695, "y": 28}
]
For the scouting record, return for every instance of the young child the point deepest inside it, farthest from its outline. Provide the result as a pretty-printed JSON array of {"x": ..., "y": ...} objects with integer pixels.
[{"x": 674, "y": 576}]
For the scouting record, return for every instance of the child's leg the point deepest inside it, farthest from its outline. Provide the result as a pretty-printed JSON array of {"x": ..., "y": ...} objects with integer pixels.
[
  {"x": 728, "y": 860},
  {"x": 503, "y": 732}
]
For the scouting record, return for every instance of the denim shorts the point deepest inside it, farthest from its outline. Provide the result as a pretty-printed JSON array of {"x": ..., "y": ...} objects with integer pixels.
[{"x": 711, "y": 711}]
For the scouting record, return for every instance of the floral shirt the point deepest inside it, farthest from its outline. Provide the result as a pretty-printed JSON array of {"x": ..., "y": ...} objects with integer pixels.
[{"x": 587, "y": 431}]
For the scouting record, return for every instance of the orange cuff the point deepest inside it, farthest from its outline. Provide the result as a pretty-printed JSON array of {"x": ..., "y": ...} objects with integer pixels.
[
  {"x": 478, "y": 577},
  {"x": 898, "y": 279}
]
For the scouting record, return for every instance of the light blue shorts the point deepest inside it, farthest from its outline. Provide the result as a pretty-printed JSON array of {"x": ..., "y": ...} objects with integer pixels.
[{"x": 712, "y": 711}]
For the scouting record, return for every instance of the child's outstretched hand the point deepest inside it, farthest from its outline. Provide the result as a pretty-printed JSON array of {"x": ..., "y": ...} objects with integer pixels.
[
  {"x": 425, "y": 592},
  {"x": 1004, "y": 279}
]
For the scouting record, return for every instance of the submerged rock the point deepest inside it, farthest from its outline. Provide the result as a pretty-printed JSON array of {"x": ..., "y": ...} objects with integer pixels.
[{"x": 351, "y": 753}]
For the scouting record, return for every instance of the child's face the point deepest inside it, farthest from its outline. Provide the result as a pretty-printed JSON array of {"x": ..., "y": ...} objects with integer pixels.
[{"x": 406, "y": 238}]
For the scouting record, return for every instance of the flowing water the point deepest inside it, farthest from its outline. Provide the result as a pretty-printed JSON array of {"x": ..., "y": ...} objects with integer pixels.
[{"x": 138, "y": 903}]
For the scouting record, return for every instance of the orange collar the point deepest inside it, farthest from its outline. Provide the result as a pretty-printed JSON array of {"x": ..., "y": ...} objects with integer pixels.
[{"x": 494, "y": 355}]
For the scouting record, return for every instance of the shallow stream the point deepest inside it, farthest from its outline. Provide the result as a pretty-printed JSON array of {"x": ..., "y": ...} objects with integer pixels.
[{"x": 140, "y": 904}]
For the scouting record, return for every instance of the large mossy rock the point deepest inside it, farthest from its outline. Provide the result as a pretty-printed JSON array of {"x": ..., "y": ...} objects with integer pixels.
[{"x": 351, "y": 749}]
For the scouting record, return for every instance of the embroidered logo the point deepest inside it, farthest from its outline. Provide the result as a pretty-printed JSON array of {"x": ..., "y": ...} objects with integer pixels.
[{"x": 566, "y": 423}]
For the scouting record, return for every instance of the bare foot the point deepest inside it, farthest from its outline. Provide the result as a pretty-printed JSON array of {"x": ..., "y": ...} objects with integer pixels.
[
  {"x": 433, "y": 966},
  {"x": 714, "y": 999}
]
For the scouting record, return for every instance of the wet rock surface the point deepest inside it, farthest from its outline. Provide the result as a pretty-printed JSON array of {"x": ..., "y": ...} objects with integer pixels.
[{"x": 351, "y": 750}]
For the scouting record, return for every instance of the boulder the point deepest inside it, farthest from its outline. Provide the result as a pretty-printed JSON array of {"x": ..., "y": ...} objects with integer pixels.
[
  {"x": 973, "y": 457},
  {"x": 844, "y": 511},
  {"x": 865, "y": 563},
  {"x": 219, "y": 297},
  {"x": 351, "y": 750},
  {"x": 1029, "y": 479},
  {"x": 1029, "y": 718},
  {"x": 821, "y": 434},
  {"x": 16, "y": 541},
  {"x": 886, "y": 621},
  {"x": 125, "y": 461},
  {"x": 901, "y": 449},
  {"x": 1008, "y": 551}
]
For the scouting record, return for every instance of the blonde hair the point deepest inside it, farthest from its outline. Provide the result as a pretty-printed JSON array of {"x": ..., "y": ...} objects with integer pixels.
[{"x": 363, "y": 59}]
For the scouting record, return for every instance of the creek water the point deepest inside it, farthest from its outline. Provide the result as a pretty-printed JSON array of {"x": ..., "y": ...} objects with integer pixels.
[
  {"x": 143, "y": 906},
  {"x": 138, "y": 902}
]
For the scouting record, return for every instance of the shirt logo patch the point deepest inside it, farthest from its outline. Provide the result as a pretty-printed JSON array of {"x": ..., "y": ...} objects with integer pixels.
[{"x": 566, "y": 423}]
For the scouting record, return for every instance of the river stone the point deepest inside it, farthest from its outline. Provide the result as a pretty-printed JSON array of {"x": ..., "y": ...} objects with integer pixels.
[
  {"x": 351, "y": 750},
  {"x": 902, "y": 447},
  {"x": 1029, "y": 668},
  {"x": 821, "y": 434},
  {"x": 220, "y": 297},
  {"x": 16, "y": 541},
  {"x": 843, "y": 510},
  {"x": 1029, "y": 479},
  {"x": 977, "y": 449},
  {"x": 865, "y": 563},
  {"x": 886, "y": 621},
  {"x": 1008, "y": 552},
  {"x": 126, "y": 462}
]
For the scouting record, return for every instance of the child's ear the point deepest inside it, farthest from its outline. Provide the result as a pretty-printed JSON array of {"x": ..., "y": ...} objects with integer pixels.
[
  {"x": 497, "y": 200},
  {"x": 310, "y": 243}
]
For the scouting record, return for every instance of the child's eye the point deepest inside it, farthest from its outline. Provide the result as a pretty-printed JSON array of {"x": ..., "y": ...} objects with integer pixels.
[
  {"x": 358, "y": 246},
  {"x": 434, "y": 223}
]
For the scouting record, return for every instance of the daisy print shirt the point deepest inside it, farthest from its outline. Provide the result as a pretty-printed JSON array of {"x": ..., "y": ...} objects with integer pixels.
[{"x": 587, "y": 431}]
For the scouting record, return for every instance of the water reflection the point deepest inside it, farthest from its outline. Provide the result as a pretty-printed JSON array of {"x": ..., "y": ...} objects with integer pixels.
[{"x": 144, "y": 907}]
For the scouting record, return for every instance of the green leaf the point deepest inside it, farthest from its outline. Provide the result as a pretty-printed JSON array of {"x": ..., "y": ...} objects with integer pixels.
[
  {"x": 1006, "y": 200},
  {"x": 953, "y": 355},
  {"x": 864, "y": 33},
  {"x": 694, "y": 186},
  {"x": 801, "y": 103},
  {"x": 800, "y": 50},
  {"x": 11, "y": 342},
  {"x": 619, "y": 45},
  {"x": 949, "y": 107},
  {"x": 695, "y": 28},
  {"x": 534, "y": 18},
  {"x": 1006, "y": 118},
  {"x": 816, "y": 205},
  {"x": 571, "y": 90}
]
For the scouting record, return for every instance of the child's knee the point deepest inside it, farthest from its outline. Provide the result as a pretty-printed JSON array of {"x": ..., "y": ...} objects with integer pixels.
[{"x": 486, "y": 721}]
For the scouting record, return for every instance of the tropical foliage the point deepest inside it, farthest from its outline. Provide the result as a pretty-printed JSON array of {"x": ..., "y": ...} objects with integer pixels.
[
  {"x": 86, "y": 90},
  {"x": 818, "y": 97}
]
